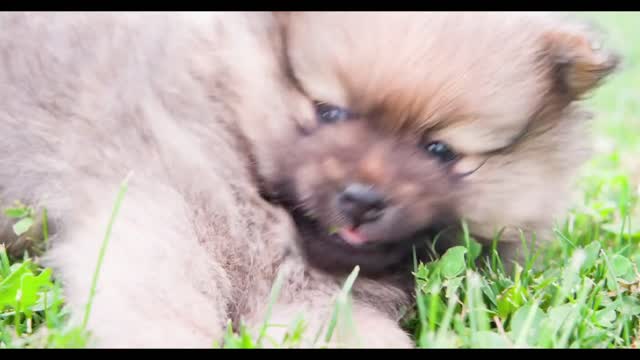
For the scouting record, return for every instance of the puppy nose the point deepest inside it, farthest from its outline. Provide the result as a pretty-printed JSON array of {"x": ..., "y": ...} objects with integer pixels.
[{"x": 361, "y": 203}]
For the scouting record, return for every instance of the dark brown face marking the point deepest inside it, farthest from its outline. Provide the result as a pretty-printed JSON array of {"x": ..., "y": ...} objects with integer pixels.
[{"x": 361, "y": 196}]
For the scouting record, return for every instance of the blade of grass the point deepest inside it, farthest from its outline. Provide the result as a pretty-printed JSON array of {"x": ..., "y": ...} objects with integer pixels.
[
  {"x": 342, "y": 297},
  {"x": 275, "y": 292},
  {"x": 45, "y": 228},
  {"x": 116, "y": 209}
]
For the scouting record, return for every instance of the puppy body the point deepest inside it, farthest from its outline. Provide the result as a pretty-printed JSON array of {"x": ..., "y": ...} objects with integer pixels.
[
  {"x": 199, "y": 106},
  {"x": 88, "y": 98}
]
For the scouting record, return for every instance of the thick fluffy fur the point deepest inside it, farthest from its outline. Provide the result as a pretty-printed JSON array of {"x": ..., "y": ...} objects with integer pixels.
[{"x": 197, "y": 106}]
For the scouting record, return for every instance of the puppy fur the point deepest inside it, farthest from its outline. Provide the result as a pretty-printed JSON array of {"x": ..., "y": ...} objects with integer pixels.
[{"x": 207, "y": 111}]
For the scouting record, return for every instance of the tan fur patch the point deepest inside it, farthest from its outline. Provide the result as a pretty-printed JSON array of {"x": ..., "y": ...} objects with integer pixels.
[
  {"x": 407, "y": 190},
  {"x": 333, "y": 169},
  {"x": 308, "y": 176},
  {"x": 372, "y": 168}
]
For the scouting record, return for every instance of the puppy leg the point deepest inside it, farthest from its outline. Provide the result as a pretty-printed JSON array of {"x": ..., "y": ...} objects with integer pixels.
[
  {"x": 369, "y": 328},
  {"x": 312, "y": 300},
  {"x": 157, "y": 287}
]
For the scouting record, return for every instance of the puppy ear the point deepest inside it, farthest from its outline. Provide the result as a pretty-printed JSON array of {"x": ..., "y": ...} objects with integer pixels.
[{"x": 579, "y": 60}]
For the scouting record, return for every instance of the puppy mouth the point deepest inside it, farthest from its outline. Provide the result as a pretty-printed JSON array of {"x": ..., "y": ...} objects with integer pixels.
[
  {"x": 351, "y": 235},
  {"x": 387, "y": 228},
  {"x": 361, "y": 238}
]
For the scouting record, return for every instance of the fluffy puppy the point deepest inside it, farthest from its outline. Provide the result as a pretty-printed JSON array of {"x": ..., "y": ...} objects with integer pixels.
[{"x": 373, "y": 130}]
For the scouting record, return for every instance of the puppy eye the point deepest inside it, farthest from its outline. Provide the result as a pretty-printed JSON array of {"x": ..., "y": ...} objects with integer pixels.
[
  {"x": 329, "y": 114},
  {"x": 441, "y": 151}
]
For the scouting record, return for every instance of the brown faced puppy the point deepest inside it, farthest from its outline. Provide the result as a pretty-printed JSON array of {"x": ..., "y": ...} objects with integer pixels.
[
  {"x": 376, "y": 130},
  {"x": 423, "y": 120}
]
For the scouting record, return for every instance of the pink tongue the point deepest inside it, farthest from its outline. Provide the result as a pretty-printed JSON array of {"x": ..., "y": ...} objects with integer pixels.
[{"x": 352, "y": 236}]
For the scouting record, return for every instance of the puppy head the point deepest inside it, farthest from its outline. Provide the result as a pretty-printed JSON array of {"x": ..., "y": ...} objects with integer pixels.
[{"x": 423, "y": 119}]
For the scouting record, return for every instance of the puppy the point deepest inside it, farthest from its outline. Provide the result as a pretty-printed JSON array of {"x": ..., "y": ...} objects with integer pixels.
[{"x": 367, "y": 133}]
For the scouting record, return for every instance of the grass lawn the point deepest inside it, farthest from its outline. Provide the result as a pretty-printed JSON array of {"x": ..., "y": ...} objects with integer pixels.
[{"x": 586, "y": 294}]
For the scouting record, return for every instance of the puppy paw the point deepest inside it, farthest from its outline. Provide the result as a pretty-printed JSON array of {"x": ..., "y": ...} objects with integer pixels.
[{"x": 366, "y": 328}]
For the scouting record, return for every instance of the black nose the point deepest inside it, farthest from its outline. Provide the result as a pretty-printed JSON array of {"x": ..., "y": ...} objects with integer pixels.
[{"x": 361, "y": 203}]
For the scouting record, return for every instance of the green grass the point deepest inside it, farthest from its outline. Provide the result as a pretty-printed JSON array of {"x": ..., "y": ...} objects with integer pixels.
[
  {"x": 585, "y": 294},
  {"x": 32, "y": 312}
]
